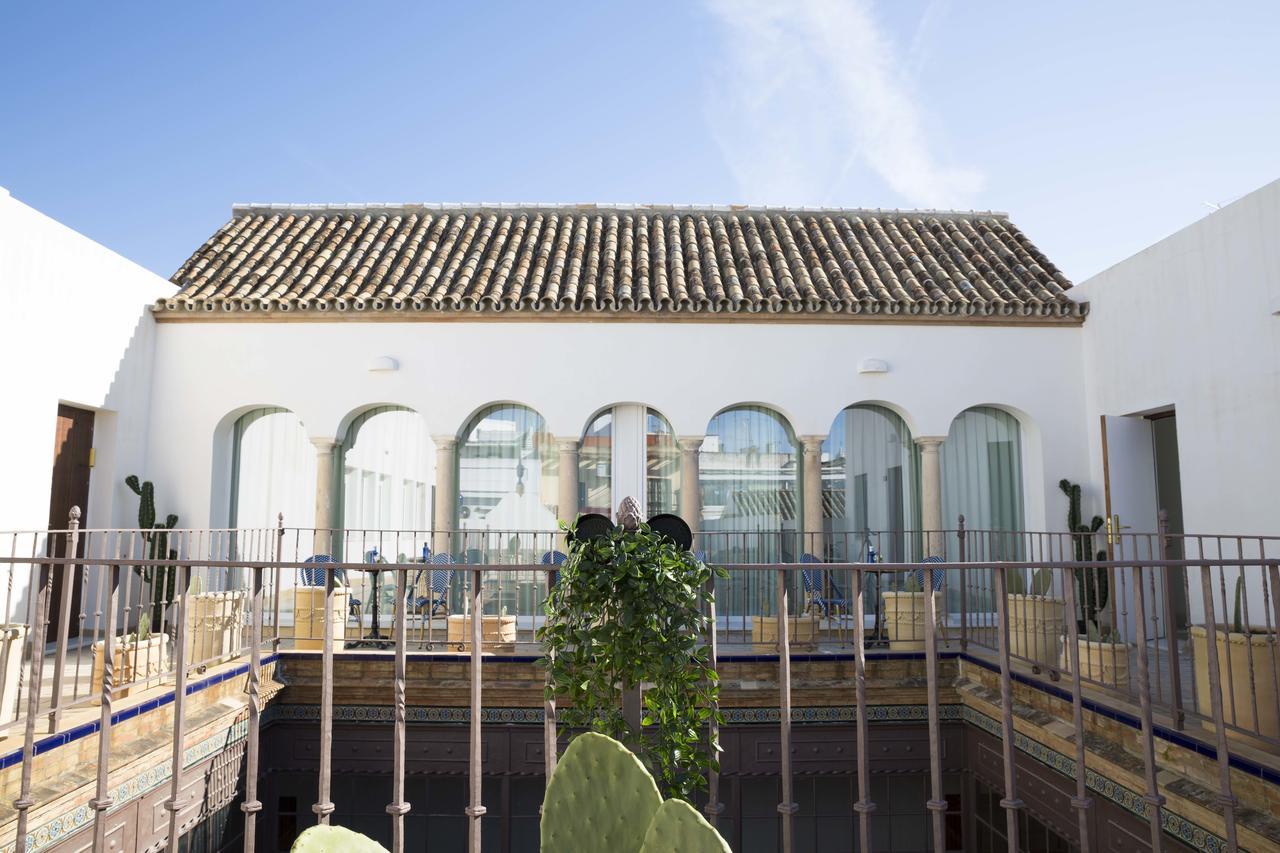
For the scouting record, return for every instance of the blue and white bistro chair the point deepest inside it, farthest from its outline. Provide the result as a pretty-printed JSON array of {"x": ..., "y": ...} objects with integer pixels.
[
  {"x": 434, "y": 598},
  {"x": 820, "y": 589},
  {"x": 315, "y": 578}
]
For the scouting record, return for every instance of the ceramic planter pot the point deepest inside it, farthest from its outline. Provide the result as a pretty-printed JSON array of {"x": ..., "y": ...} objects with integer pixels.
[
  {"x": 494, "y": 630},
  {"x": 904, "y": 619},
  {"x": 215, "y": 626},
  {"x": 802, "y": 632},
  {"x": 1104, "y": 663},
  {"x": 1245, "y": 667},
  {"x": 308, "y": 617},
  {"x": 135, "y": 664},
  {"x": 13, "y": 638},
  {"x": 1036, "y": 626}
]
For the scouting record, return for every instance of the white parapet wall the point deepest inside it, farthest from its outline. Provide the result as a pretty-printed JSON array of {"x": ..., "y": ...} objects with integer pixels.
[{"x": 73, "y": 329}]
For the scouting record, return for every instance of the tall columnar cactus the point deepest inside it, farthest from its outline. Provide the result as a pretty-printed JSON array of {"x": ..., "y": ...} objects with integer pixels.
[
  {"x": 155, "y": 538},
  {"x": 1092, "y": 588}
]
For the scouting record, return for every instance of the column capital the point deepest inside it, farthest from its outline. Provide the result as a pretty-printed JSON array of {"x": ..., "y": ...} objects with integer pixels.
[
  {"x": 324, "y": 443},
  {"x": 690, "y": 443},
  {"x": 929, "y": 442},
  {"x": 812, "y": 443},
  {"x": 567, "y": 445},
  {"x": 440, "y": 441}
]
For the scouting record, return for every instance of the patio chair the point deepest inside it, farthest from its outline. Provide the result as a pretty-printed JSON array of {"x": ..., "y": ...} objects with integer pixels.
[
  {"x": 821, "y": 590},
  {"x": 436, "y": 599},
  {"x": 315, "y": 578},
  {"x": 554, "y": 558},
  {"x": 936, "y": 576}
]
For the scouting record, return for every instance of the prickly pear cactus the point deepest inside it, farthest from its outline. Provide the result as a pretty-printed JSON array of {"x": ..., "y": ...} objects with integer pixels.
[
  {"x": 334, "y": 839},
  {"x": 677, "y": 826},
  {"x": 600, "y": 798}
]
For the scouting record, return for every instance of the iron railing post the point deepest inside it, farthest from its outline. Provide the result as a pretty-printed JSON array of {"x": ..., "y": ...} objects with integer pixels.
[
  {"x": 1081, "y": 802},
  {"x": 174, "y": 804},
  {"x": 102, "y": 800},
  {"x": 276, "y": 582},
  {"x": 67, "y": 571},
  {"x": 1153, "y": 798},
  {"x": 251, "y": 805},
  {"x": 475, "y": 811},
  {"x": 714, "y": 808},
  {"x": 398, "y": 808},
  {"x": 1010, "y": 803},
  {"x": 1225, "y": 796},
  {"x": 1170, "y": 627},
  {"x": 936, "y": 803},
  {"x": 38, "y": 633},
  {"x": 864, "y": 806},
  {"x": 323, "y": 806},
  {"x": 549, "y": 737},
  {"x": 787, "y": 808},
  {"x": 962, "y": 549}
]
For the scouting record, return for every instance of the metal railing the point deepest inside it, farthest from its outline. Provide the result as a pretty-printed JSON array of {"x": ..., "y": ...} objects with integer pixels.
[{"x": 228, "y": 588}]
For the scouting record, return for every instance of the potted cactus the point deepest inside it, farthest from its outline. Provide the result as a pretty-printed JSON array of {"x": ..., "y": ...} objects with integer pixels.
[
  {"x": 1036, "y": 618},
  {"x": 155, "y": 538},
  {"x": 1247, "y": 673},
  {"x": 1104, "y": 658},
  {"x": 904, "y": 615}
]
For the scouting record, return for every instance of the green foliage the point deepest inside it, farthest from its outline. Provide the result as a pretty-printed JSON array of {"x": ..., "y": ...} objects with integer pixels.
[
  {"x": 600, "y": 798},
  {"x": 144, "y": 627},
  {"x": 334, "y": 839},
  {"x": 1096, "y": 633},
  {"x": 626, "y": 611},
  {"x": 1092, "y": 586},
  {"x": 155, "y": 539},
  {"x": 676, "y": 826},
  {"x": 912, "y": 584}
]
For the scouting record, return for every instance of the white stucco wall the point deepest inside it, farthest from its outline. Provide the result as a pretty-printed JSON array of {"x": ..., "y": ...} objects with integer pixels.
[
  {"x": 73, "y": 328},
  {"x": 1192, "y": 322},
  {"x": 207, "y": 373}
]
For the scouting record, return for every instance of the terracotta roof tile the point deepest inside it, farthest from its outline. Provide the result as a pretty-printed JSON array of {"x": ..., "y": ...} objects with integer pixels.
[{"x": 624, "y": 260}]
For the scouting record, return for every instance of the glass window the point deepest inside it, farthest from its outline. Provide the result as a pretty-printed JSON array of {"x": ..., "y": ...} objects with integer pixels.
[
  {"x": 748, "y": 475},
  {"x": 388, "y": 458},
  {"x": 273, "y": 471},
  {"x": 595, "y": 460},
  {"x": 869, "y": 492},
  {"x": 982, "y": 471},
  {"x": 508, "y": 486},
  {"x": 662, "y": 465}
]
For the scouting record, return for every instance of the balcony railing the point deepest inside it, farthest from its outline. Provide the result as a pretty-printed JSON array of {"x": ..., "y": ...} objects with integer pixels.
[{"x": 1191, "y": 631}]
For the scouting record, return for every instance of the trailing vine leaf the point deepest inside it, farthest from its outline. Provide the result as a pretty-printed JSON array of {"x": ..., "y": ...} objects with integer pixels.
[{"x": 627, "y": 610}]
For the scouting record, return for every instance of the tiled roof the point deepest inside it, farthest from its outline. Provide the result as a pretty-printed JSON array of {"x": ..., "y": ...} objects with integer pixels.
[{"x": 593, "y": 260}]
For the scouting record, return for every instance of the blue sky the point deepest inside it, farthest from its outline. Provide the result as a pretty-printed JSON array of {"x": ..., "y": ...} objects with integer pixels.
[{"x": 1101, "y": 127}]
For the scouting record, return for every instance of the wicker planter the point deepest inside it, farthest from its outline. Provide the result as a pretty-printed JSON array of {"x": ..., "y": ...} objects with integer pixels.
[
  {"x": 494, "y": 630},
  {"x": 1036, "y": 626},
  {"x": 135, "y": 665},
  {"x": 215, "y": 626},
  {"x": 13, "y": 638},
  {"x": 1246, "y": 677},
  {"x": 1105, "y": 663},
  {"x": 308, "y": 617},
  {"x": 802, "y": 632},
  {"x": 904, "y": 619}
]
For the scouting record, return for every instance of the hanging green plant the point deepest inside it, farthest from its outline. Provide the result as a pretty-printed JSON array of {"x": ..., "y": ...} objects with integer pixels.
[{"x": 627, "y": 611}]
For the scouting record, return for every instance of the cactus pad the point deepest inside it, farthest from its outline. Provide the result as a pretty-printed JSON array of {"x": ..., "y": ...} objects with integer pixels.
[
  {"x": 334, "y": 839},
  {"x": 676, "y": 826},
  {"x": 600, "y": 798}
]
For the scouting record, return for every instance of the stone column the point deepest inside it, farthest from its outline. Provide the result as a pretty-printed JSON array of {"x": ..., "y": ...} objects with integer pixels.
[
  {"x": 931, "y": 494},
  {"x": 811, "y": 481},
  {"x": 446, "y": 506},
  {"x": 567, "y": 505},
  {"x": 690, "y": 492},
  {"x": 325, "y": 513}
]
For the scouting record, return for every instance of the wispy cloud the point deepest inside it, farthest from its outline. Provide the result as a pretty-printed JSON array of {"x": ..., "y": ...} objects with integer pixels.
[{"x": 811, "y": 91}]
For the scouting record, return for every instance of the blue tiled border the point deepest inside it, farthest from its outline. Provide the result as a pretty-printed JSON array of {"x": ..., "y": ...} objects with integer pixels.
[{"x": 63, "y": 738}]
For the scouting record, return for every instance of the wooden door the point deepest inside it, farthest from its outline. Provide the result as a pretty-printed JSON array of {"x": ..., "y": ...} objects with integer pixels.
[{"x": 72, "y": 460}]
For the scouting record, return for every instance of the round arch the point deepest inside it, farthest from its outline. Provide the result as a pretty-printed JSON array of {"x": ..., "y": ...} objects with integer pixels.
[
  {"x": 984, "y": 459},
  {"x": 269, "y": 468}
]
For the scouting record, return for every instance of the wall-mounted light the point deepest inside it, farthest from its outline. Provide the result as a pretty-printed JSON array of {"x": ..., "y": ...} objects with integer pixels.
[
  {"x": 873, "y": 365},
  {"x": 384, "y": 364}
]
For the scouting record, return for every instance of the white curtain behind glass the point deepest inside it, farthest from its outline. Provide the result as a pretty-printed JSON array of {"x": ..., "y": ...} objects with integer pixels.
[
  {"x": 869, "y": 484},
  {"x": 595, "y": 458},
  {"x": 388, "y": 472},
  {"x": 275, "y": 471},
  {"x": 662, "y": 465},
  {"x": 748, "y": 476},
  {"x": 507, "y": 478}
]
